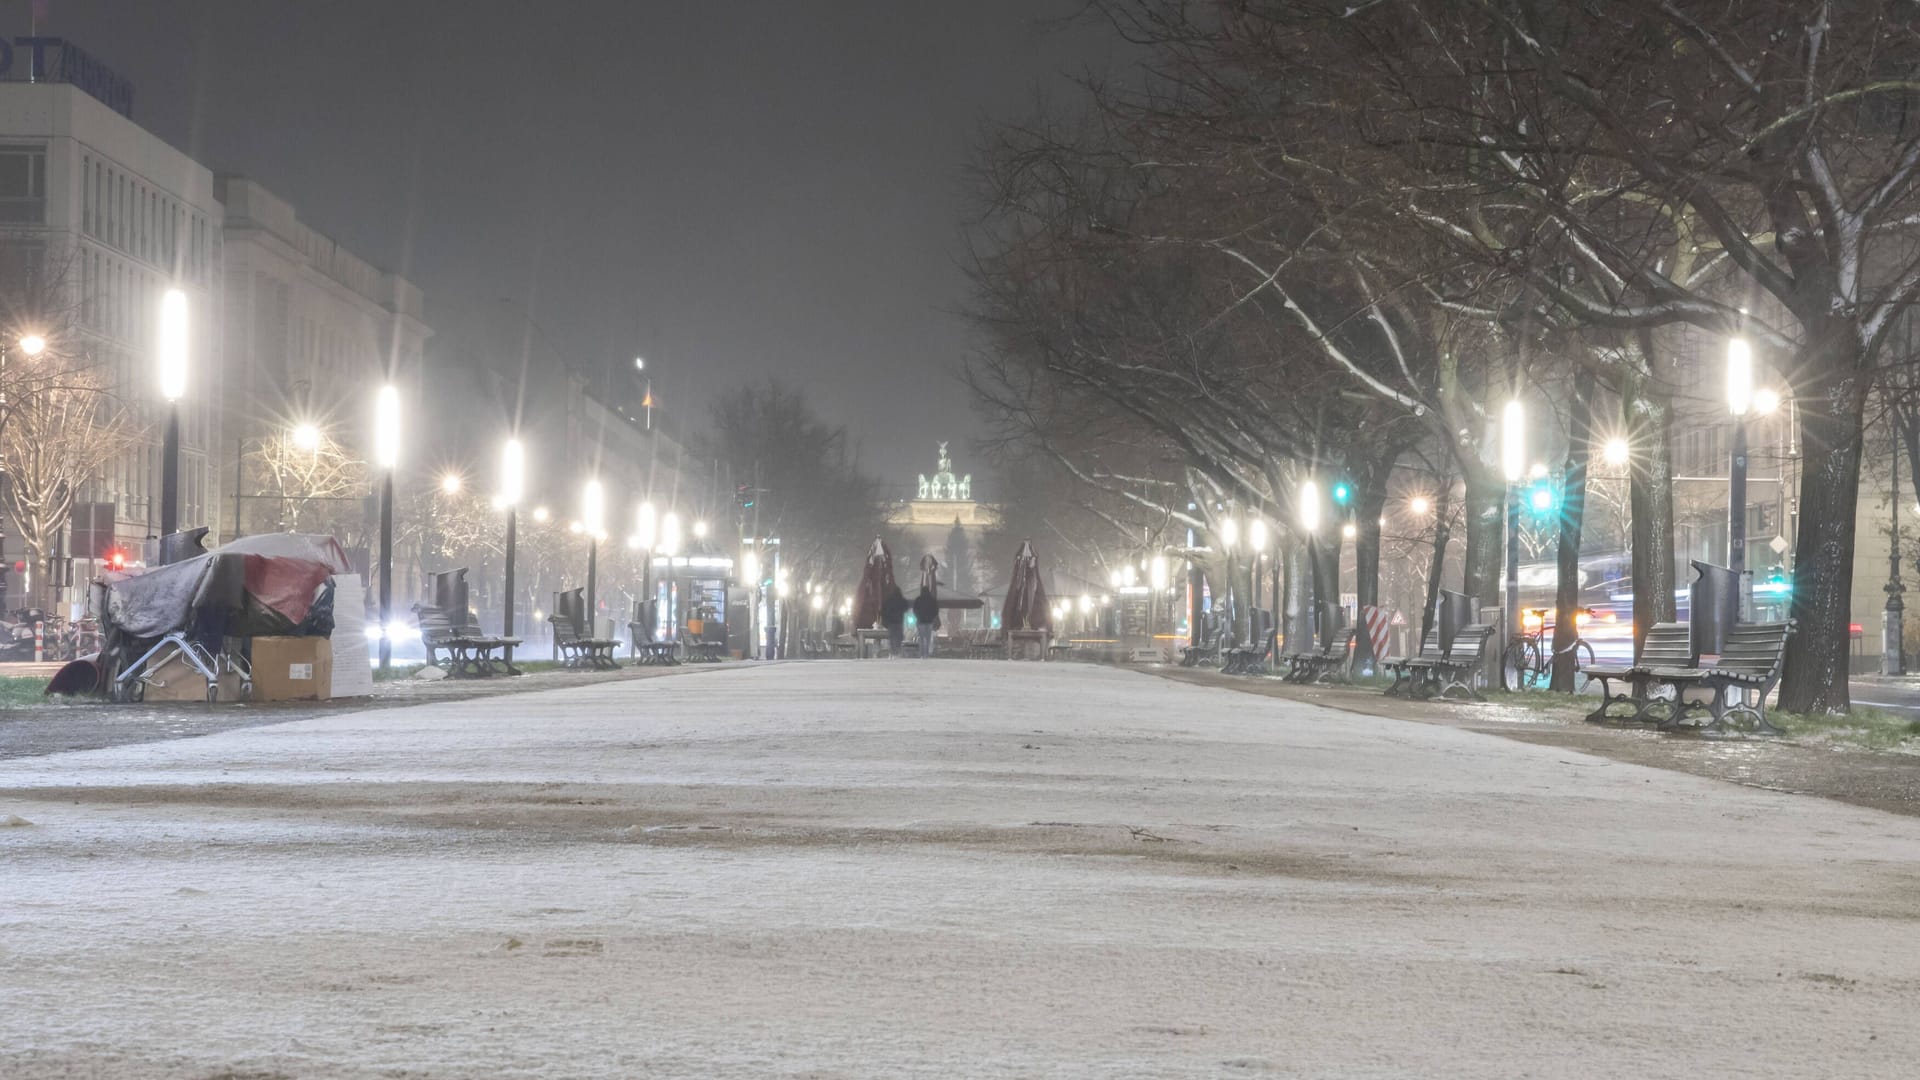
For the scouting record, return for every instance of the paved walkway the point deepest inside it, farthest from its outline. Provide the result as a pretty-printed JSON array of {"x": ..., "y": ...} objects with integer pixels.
[{"x": 933, "y": 870}]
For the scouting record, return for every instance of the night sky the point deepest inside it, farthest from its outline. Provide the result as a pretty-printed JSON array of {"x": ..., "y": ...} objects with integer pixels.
[{"x": 731, "y": 189}]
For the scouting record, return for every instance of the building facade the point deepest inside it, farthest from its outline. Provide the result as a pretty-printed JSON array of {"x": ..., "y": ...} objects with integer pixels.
[
  {"x": 311, "y": 330},
  {"x": 943, "y": 519},
  {"x": 105, "y": 217}
]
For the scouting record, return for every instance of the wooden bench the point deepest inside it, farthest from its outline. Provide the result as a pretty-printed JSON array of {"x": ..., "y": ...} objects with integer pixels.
[
  {"x": 1458, "y": 669},
  {"x": 1667, "y": 645},
  {"x": 470, "y": 653},
  {"x": 1749, "y": 664},
  {"x": 578, "y": 650},
  {"x": 1326, "y": 662},
  {"x": 648, "y": 651},
  {"x": 704, "y": 651},
  {"x": 1244, "y": 660},
  {"x": 1406, "y": 676}
]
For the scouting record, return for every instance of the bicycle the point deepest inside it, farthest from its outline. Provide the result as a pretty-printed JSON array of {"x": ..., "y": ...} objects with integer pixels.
[{"x": 1527, "y": 661}]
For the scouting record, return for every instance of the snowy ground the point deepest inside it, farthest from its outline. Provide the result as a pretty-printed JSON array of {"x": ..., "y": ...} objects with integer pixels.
[{"x": 950, "y": 869}]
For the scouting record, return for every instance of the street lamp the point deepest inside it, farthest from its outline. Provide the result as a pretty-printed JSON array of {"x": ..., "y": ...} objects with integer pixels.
[
  {"x": 1616, "y": 453},
  {"x": 173, "y": 386},
  {"x": 32, "y": 344},
  {"x": 646, "y": 535},
  {"x": 386, "y": 455},
  {"x": 1419, "y": 506},
  {"x": 513, "y": 485},
  {"x": 593, "y": 521},
  {"x": 670, "y": 546},
  {"x": 305, "y": 438},
  {"x": 1513, "y": 465},
  {"x": 450, "y": 483},
  {"x": 1739, "y": 401}
]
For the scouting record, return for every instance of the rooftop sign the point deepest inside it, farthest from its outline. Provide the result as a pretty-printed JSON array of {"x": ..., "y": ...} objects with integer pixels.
[{"x": 55, "y": 60}]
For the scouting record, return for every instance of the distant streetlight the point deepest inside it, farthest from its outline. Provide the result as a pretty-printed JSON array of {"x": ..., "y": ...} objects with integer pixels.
[
  {"x": 1158, "y": 573},
  {"x": 1257, "y": 535},
  {"x": 639, "y": 363},
  {"x": 699, "y": 530},
  {"x": 1229, "y": 533},
  {"x": 541, "y": 514},
  {"x": 513, "y": 486},
  {"x": 386, "y": 454},
  {"x": 305, "y": 437},
  {"x": 173, "y": 355},
  {"x": 1616, "y": 453},
  {"x": 1419, "y": 506},
  {"x": 1766, "y": 400},
  {"x": 450, "y": 483},
  {"x": 1349, "y": 530},
  {"x": 593, "y": 520},
  {"x": 1116, "y": 578},
  {"x": 33, "y": 344},
  {"x": 1513, "y": 464},
  {"x": 1310, "y": 507}
]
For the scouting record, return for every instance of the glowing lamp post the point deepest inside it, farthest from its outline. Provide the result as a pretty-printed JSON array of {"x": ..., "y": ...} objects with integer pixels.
[
  {"x": 670, "y": 546},
  {"x": 646, "y": 535},
  {"x": 1739, "y": 403},
  {"x": 593, "y": 522},
  {"x": 1309, "y": 498},
  {"x": 513, "y": 487},
  {"x": 386, "y": 456},
  {"x": 1513, "y": 465},
  {"x": 173, "y": 387}
]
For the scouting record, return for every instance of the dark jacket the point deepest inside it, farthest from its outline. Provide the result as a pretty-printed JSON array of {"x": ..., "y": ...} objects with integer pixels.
[
  {"x": 926, "y": 609},
  {"x": 893, "y": 609}
]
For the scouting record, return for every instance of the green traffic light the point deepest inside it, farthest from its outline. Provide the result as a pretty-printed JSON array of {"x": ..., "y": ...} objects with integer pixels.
[
  {"x": 1342, "y": 493},
  {"x": 1541, "y": 498}
]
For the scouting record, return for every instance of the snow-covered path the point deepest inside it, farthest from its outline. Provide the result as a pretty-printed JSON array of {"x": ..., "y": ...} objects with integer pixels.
[{"x": 962, "y": 869}]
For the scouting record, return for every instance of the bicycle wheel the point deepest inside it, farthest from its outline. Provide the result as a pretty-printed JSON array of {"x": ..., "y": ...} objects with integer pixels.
[
  {"x": 1583, "y": 659},
  {"x": 1516, "y": 665}
]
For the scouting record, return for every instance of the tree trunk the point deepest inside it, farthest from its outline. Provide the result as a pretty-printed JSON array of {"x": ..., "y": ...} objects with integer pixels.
[
  {"x": 1485, "y": 495},
  {"x": 1649, "y": 414},
  {"x": 1573, "y": 511},
  {"x": 1831, "y": 421},
  {"x": 1326, "y": 583},
  {"x": 1296, "y": 598},
  {"x": 1436, "y": 568}
]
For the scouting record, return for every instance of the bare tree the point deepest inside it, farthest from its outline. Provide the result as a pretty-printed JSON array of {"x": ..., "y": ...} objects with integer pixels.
[{"x": 57, "y": 439}]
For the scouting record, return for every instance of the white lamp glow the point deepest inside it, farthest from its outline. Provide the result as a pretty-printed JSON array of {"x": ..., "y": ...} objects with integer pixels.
[
  {"x": 1739, "y": 376},
  {"x": 513, "y": 473},
  {"x": 386, "y": 428},
  {"x": 1310, "y": 506},
  {"x": 173, "y": 345},
  {"x": 646, "y": 523},
  {"x": 593, "y": 508},
  {"x": 1513, "y": 441}
]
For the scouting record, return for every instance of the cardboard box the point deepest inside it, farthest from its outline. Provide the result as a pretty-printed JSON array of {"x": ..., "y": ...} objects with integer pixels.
[
  {"x": 177, "y": 680},
  {"x": 292, "y": 669}
]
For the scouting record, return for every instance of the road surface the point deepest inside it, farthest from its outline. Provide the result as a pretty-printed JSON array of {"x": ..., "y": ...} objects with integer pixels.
[{"x": 942, "y": 869}]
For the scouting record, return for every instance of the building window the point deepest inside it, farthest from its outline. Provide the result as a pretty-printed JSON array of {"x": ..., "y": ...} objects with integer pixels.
[{"x": 23, "y": 184}]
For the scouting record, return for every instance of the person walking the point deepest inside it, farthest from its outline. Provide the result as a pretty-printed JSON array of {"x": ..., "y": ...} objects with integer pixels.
[
  {"x": 926, "y": 616},
  {"x": 893, "y": 616}
]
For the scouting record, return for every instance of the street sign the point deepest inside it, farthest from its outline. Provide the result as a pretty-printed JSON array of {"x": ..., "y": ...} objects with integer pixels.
[{"x": 1778, "y": 544}]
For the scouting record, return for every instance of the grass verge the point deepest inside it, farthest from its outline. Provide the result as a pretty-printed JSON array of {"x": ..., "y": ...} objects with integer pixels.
[
  {"x": 1865, "y": 726},
  {"x": 16, "y": 690}
]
